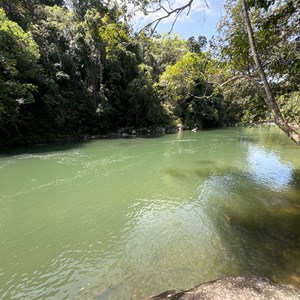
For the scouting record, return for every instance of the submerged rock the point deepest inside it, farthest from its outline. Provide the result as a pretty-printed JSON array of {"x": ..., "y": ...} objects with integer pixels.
[{"x": 234, "y": 288}]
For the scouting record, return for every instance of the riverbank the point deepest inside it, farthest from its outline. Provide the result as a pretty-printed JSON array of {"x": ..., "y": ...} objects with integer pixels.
[
  {"x": 234, "y": 288},
  {"x": 124, "y": 132},
  {"x": 47, "y": 138}
]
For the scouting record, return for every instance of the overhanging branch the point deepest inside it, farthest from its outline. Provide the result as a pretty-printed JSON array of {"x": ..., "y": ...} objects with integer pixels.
[{"x": 176, "y": 12}]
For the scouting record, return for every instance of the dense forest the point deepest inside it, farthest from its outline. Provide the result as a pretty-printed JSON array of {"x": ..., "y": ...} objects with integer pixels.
[{"x": 78, "y": 68}]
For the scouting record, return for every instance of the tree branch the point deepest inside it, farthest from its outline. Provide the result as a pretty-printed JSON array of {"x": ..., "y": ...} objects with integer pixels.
[{"x": 168, "y": 13}]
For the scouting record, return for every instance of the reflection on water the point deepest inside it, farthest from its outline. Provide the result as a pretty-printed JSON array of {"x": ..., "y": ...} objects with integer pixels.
[
  {"x": 124, "y": 219},
  {"x": 267, "y": 168}
]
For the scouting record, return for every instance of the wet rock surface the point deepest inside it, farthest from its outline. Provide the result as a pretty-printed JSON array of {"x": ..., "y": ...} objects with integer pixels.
[{"x": 234, "y": 288}]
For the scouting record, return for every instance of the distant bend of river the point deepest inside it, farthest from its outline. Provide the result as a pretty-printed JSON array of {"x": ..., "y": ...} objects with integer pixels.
[{"x": 129, "y": 218}]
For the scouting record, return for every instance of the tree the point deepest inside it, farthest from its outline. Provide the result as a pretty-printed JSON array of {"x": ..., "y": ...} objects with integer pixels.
[
  {"x": 187, "y": 93},
  {"x": 144, "y": 102},
  {"x": 23, "y": 11},
  {"x": 196, "y": 46},
  {"x": 19, "y": 11},
  {"x": 164, "y": 51},
  {"x": 60, "y": 90},
  {"x": 81, "y": 7},
  {"x": 264, "y": 85},
  {"x": 261, "y": 51},
  {"x": 285, "y": 13},
  {"x": 18, "y": 57}
]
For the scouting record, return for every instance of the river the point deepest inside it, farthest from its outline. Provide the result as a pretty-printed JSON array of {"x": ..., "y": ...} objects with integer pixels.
[{"x": 128, "y": 218}]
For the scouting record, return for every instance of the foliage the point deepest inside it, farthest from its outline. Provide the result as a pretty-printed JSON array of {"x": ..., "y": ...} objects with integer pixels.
[
  {"x": 80, "y": 69},
  {"x": 290, "y": 107},
  {"x": 145, "y": 108},
  {"x": 275, "y": 31},
  {"x": 18, "y": 56},
  {"x": 196, "y": 46},
  {"x": 187, "y": 93}
]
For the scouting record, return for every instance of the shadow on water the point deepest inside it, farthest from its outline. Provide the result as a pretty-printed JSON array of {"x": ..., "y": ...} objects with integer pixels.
[
  {"x": 152, "y": 136},
  {"x": 261, "y": 231},
  {"x": 61, "y": 146},
  {"x": 210, "y": 167},
  {"x": 256, "y": 214},
  {"x": 207, "y": 168},
  {"x": 176, "y": 173},
  {"x": 296, "y": 180},
  {"x": 44, "y": 148}
]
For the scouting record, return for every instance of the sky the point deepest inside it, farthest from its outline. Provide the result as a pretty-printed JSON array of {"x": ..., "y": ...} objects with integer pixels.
[{"x": 201, "y": 20}]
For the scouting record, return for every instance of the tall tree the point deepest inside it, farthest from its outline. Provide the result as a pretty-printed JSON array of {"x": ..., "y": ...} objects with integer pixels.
[
  {"x": 285, "y": 13},
  {"x": 19, "y": 54},
  {"x": 72, "y": 67},
  {"x": 265, "y": 86},
  {"x": 196, "y": 46},
  {"x": 187, "y": 93}
]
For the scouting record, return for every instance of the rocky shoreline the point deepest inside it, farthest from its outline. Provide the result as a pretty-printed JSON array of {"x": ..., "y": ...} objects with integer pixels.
[
  {"x": 234, "y": 288},
  {"x": 125, "y": 132}
]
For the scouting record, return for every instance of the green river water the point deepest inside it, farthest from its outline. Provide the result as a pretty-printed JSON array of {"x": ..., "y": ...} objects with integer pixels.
[{"x": 128, "y": 218}]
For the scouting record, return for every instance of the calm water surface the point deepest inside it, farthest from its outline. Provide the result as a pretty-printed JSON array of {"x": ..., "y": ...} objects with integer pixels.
[{"x": 127, "y": 218}]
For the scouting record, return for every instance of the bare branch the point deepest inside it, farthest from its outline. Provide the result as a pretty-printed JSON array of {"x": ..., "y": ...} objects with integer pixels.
[
  {"x": 168, "y": 13},
  {"x": 254, "y": 81},
  {"x": 173, "y": 23}
]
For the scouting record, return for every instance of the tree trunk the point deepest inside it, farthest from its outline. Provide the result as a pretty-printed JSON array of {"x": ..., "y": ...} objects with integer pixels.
[{"x": 268, "y": 95}]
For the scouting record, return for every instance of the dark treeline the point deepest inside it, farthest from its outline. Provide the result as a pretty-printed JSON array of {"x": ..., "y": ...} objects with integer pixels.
[{"x": 77, "y": 69}]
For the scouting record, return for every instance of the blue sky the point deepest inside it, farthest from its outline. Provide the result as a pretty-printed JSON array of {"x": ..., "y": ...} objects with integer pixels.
[{"x": 202, "y": 20}]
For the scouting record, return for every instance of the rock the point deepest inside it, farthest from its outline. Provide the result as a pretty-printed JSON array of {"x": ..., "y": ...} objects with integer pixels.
[{"x": 234, "y": 288}]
